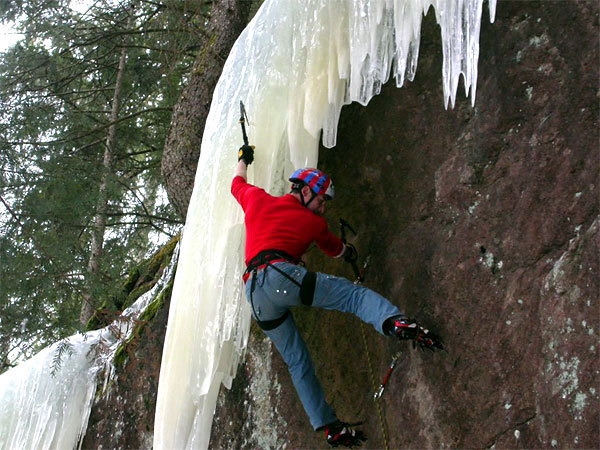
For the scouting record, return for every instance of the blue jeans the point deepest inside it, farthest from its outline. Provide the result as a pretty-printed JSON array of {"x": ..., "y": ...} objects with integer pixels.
[{"x": 274, "y": 293}]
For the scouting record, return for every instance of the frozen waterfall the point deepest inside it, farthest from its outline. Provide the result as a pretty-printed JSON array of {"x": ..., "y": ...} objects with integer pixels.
[{"x": 294, "y": 66}]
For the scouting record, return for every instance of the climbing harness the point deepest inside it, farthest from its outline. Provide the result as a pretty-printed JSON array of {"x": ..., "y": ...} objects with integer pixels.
[
  {"x": 261, "y": 261},
  {"x": 266, "y": 259}
]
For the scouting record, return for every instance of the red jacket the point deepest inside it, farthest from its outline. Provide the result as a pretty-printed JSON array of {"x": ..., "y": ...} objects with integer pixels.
[{"x": 281, "y": 223}]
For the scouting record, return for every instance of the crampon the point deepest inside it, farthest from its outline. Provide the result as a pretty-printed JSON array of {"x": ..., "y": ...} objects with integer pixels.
[
  {"x": 425, "y": 339},
  {"x": 408, "y": 329},
  {"x": 340, "y": 434}
]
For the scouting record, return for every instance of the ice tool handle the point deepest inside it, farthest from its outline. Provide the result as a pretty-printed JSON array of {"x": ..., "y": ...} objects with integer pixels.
[
  {"x": 357, "y": 272},
  {"x": 243, "y": 120}
]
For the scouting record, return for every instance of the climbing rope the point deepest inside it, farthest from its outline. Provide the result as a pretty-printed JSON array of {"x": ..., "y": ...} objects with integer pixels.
[
  {"x": 382, "y": 422},
  {"x": 360, "y": 276}
]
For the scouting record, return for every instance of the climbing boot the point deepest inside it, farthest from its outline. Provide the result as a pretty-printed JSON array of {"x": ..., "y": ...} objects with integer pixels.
[
  {"x": 409, "y": 330},
  {"x": 340, "y": 434}
]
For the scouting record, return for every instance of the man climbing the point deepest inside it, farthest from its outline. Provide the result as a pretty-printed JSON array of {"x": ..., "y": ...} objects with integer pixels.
[{"x": 279, "y": 230}]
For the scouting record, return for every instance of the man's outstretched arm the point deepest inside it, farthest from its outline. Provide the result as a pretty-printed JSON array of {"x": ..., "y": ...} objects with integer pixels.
[{"x": 241, "y": 170}]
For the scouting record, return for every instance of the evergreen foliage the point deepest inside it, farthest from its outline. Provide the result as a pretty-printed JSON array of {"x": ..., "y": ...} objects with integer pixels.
[{"x": 56, "y": 88}]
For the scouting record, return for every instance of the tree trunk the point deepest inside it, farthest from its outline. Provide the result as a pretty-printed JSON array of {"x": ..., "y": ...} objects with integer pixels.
[
  {"x": 90, "y": 302},
  {"x": 182, "y": 147}
]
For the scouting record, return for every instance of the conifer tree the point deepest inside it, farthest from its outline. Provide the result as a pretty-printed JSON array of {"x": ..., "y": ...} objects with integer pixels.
[{"x": 58, "y": 88}]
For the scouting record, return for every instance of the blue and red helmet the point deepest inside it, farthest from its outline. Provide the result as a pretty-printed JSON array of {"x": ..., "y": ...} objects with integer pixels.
[{"x": 319, "y": 182}]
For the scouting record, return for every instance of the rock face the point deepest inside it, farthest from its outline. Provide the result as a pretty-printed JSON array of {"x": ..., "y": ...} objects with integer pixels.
[
  {"x": 482, "y": 222},
  {"x": 123, "y": 414}
]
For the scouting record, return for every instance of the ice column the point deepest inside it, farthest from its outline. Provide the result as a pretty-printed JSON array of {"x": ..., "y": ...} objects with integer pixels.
[{"x": 294, "y": 66}]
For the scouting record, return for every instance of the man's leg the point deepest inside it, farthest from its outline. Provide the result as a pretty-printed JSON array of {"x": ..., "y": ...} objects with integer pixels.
[
  {"x": 341, "y": 294},
  {"x": 294, "y": 352}
]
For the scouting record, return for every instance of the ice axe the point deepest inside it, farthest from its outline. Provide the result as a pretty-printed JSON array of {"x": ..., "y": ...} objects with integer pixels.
[
  {"x": 243, "y": 120},
  {"x": 357, "y": 272},
  {"x": 246, "y": 152}
]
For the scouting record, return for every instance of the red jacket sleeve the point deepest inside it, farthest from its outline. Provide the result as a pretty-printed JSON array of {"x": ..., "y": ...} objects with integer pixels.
[
  {"x": 239, "y": 188},
  {"x": 329, "y": 243}
]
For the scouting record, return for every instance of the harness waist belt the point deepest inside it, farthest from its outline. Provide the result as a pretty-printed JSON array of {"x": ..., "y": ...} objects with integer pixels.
[{"x": 268, "y": 256}]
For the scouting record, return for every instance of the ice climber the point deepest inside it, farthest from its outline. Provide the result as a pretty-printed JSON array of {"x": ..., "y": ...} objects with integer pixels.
[{"x": 279, "y": 230}]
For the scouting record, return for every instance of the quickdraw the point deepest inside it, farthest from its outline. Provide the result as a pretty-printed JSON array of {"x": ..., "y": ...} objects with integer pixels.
[
  {"x": 386, "y": 378},
  {"x": 360, "y": 278}
]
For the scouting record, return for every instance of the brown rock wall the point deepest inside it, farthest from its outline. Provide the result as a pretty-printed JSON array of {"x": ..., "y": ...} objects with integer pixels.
[
  {"x": 483, "y": 223},
  {"x": 480, "y": 221}
]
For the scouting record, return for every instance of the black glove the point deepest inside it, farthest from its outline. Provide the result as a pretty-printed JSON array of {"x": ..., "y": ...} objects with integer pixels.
[
  {"x": 350, "y": 254},
  {"x": 246, "y": 153}
]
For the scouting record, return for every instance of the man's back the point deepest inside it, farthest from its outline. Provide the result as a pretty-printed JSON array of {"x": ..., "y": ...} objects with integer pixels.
[{"x": 281, "y": 223}]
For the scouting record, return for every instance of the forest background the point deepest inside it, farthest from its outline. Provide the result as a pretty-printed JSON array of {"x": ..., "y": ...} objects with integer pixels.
[{"x": 87, "y": 94}]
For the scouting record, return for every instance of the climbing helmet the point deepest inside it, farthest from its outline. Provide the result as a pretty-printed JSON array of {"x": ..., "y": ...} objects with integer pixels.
[{"x": 318, "y": 181}]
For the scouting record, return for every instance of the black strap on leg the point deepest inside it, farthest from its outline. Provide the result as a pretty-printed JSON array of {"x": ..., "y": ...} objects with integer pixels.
[
  {"x": 267, "y": 325},
  {"x": 307, "y": 288},
  {"x": 252, "y": 286}
]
